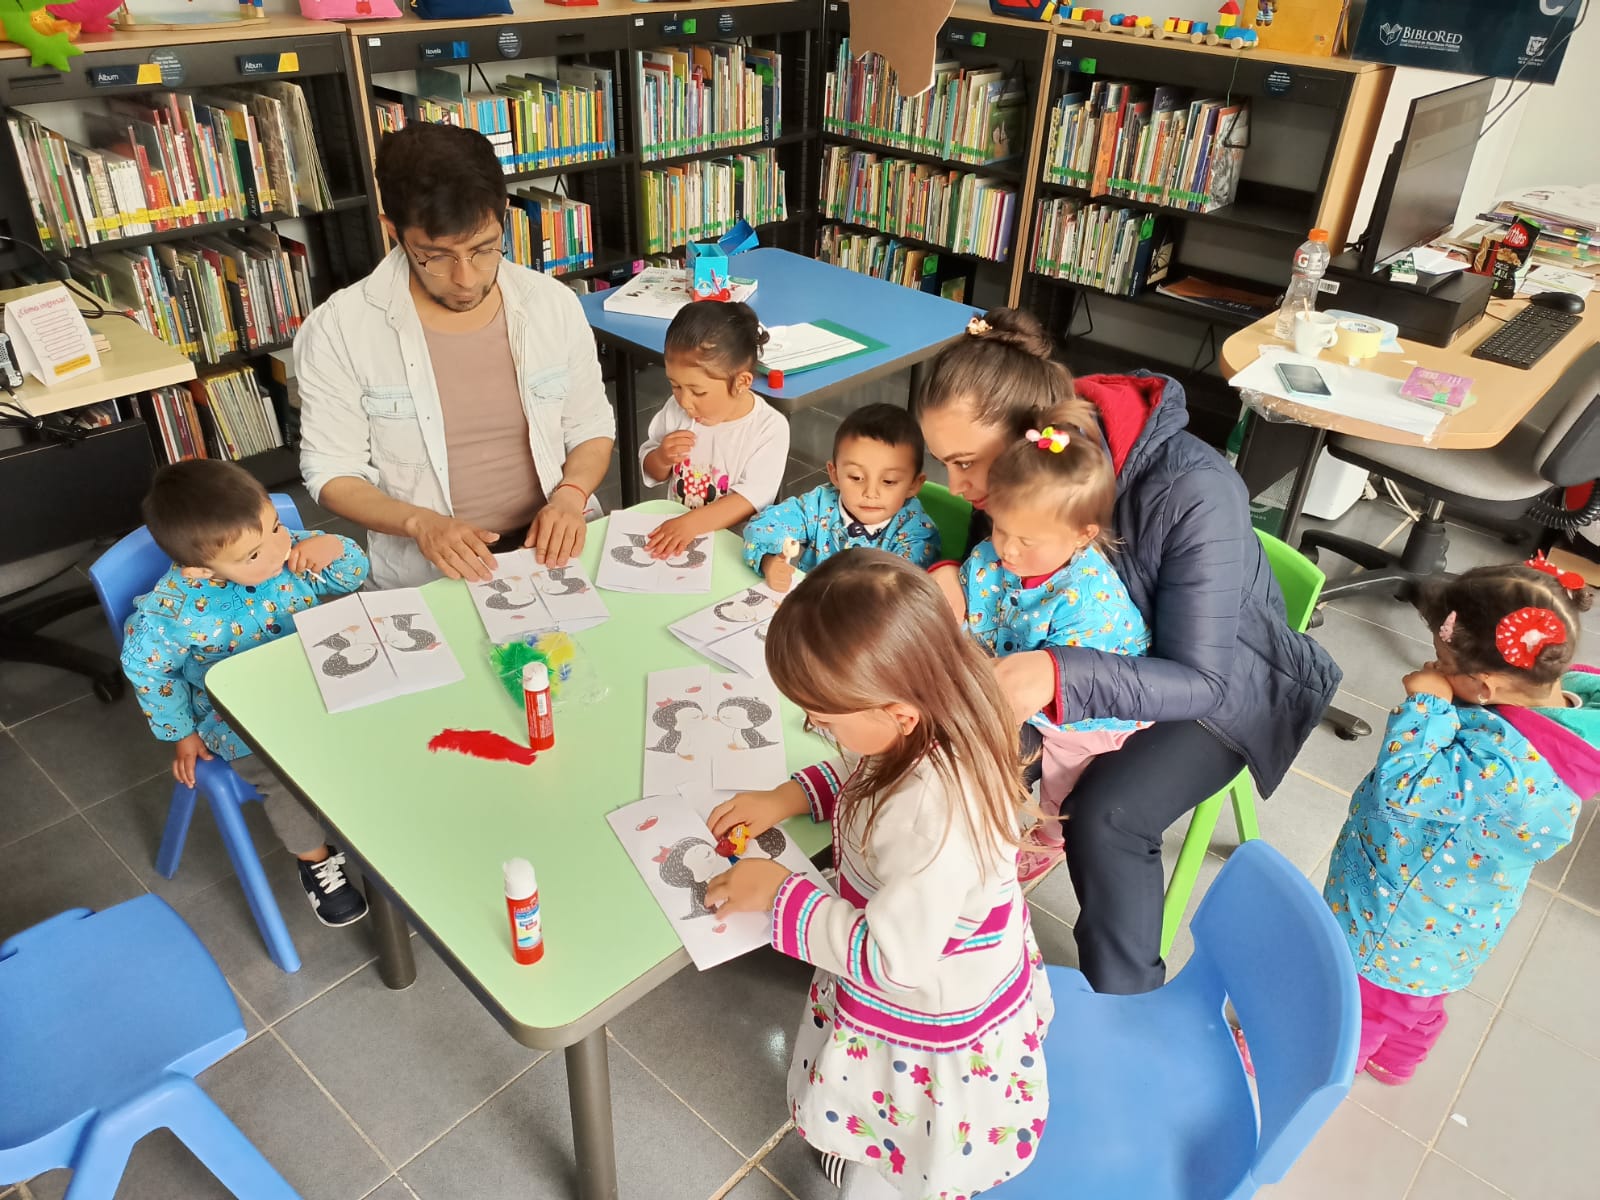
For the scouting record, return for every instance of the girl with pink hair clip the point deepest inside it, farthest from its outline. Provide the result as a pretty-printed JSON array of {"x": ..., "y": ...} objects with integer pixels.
[{"x": 1480, "y": 774}]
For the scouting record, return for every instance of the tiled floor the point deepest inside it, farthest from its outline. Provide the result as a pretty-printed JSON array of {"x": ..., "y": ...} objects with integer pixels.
[{"x": 355, "y": 1091}]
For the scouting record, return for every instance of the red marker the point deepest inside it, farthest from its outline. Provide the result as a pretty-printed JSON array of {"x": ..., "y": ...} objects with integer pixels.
[{"x": 536, "y": 699}]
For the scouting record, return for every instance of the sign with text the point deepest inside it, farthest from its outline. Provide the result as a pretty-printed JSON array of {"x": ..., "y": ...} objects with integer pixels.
[
  {"x": 48, "y": 332},
  {"x": 1521, "y": 39}
]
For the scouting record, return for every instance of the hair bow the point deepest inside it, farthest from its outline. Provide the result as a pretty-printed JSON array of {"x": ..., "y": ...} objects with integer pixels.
[
  {"x": 1447, "y": 628},
  {"x": 1050, "y": 438},
  {"x": 1521, "y": 635},
  {"x": 1570, "y": 580},
  {"x": 977, "y": 326}
]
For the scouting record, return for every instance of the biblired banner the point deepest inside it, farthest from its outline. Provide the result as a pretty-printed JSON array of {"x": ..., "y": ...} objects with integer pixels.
[{"x": 1522, "y": 39}]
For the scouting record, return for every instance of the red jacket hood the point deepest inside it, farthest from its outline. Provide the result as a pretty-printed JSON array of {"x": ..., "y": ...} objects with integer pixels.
[{"x": 1125, "y": 403}]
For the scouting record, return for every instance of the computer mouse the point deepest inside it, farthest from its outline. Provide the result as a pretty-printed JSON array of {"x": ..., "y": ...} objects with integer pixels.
[{"x": 1560, "y": 301}]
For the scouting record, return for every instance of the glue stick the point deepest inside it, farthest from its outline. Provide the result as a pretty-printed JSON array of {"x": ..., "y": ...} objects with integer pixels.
[
  {"x": 536, "y": 699},
  {"x": 522, "y": 902}
]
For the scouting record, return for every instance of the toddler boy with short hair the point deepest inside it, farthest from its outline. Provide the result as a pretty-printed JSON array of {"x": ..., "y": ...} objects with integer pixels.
[{"x": 238, "y": 578}]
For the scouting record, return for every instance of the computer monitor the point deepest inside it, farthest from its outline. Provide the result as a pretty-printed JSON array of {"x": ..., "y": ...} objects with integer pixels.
[{"x": 1427, "y": 172}]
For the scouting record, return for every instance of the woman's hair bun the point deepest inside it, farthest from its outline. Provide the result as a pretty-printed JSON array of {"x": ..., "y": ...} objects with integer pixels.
[{"x": 1021, "y": 330}]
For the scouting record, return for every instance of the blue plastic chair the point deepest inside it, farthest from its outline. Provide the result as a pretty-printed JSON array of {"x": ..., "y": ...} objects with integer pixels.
[
  {"x": 1148, "y": 1097},
  {"x": 105, "y": 1020},
  {"x": 120, "y": 576}
]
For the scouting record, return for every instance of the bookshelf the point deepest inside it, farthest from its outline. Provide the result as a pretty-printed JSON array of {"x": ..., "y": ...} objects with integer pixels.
[
  {"x": 288, "y": 213},
  {"x": 650, "y": 165},
  {"x": 1311, "y": 124},
  {"x": 963, "y": 154}
]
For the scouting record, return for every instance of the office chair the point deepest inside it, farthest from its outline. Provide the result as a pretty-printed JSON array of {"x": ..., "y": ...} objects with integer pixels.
[
  {"x": 20, "y": 623},
  {"x": 1148, "y": 1095},
  {"x": 1504, "y": 482}
]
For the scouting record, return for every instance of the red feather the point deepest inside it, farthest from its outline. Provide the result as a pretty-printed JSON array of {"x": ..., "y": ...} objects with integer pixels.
[{"x": 482, "y": 743}]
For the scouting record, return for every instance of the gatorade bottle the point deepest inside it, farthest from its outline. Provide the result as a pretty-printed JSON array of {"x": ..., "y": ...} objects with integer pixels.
[{"x": 1310, "y": 263}]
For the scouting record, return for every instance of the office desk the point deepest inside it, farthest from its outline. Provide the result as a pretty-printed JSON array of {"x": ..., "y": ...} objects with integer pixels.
[
  {"x": 792, "y": 289},
  {"x": 1505, "y": 395},
  {"x": 431, "y": 830}
]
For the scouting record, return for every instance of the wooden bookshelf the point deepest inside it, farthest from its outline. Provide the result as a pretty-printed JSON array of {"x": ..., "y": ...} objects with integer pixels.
[{"x": 341, "y": 239}]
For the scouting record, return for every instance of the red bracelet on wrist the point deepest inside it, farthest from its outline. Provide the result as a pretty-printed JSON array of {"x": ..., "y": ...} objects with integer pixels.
[{"x": 574, "y": 487}]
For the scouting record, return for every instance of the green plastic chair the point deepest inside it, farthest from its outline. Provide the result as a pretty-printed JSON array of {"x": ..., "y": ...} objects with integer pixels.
[
  {"x": 1300, "y": 580},
  {"x": 950, "y": 514}
]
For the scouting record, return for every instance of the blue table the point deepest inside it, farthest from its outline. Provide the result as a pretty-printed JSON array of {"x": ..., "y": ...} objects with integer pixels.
[{"x": 792, "y": 289}]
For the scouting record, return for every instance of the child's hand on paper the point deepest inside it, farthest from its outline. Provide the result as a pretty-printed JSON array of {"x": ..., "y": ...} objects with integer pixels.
[
  {"x": 778, "y": 572},
  {"x": 758, "y": 811},
  {"x": 750, "y": 885},
  {"x": 184, "y": 752},
  {"x": 671, "y": 538},
  {"x": 314, "y": 555},
  {"x": 675, "y": 447}
]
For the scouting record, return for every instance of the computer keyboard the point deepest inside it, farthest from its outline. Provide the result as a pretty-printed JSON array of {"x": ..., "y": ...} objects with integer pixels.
[{"x": 1527, "y": 337}]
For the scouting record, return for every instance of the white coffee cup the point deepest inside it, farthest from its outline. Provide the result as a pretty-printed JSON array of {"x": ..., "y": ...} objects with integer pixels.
[{"x": 1314, "y": 332}]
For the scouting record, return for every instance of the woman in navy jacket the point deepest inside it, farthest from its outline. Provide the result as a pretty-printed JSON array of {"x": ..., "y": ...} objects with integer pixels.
[{"x": 1227, "y": 683}]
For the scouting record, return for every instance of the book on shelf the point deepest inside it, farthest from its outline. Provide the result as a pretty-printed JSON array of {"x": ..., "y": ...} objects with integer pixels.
[
  {"x": 548, "y": 232},
  {"x": 1120, "y": 251},
  {"x": 1249, "y": 303},
  {"x": 886, "y": 257},
  {"x": 945, "y": 207},
  {"x": 702, "y": 199},
  {"x": 708, "y": 96},
  {"x": 1158, "y": 147},
  {"x": 974, "y": 115},
  {"x": 172, "y": 160},
  {"x": 533, "y": 121},
  {"x": 227, "y": 415}
]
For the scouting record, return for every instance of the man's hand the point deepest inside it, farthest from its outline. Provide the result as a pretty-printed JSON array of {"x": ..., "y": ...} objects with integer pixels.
[
  {"x": 671, "y": 538},
  {"x": 558, "y": 528},
  {"x": 750, "y": 885},
  {"x": 675, "y": 447},
  {"x": 314, "y": 555},
  {"x": 459, "y": 549},
  {"x": 778, "y": 572},
  {"x": 1429, "y": 681},
  {"x": 1028, "y": 680},
  {"x": 184, "y": 752}
]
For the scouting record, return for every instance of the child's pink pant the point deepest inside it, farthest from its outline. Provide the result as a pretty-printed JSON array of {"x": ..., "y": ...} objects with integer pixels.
[
  {"x": 1065, "y": 755},
  {"x": 1397, "y": 1029}
]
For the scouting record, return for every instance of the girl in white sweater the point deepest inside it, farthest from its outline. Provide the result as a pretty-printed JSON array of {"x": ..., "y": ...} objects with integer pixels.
[{"x": 919, "y": 1055}]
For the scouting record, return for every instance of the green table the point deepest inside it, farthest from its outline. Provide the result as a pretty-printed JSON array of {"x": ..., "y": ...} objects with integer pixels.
[{"x": 431, "y": 830}]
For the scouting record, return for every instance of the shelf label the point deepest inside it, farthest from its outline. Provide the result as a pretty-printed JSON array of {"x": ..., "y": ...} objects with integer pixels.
[
  {"x": 954, "y": 34},
  {"x": 269, "y": 64},
  {"x": 129, "y": 75},
  {"x": 169, "y": 65},
  {"x": 1278, "y": 81},
  {"x": 725, "y": 23},
  {"x": 687, "y": 27},
  {"x": 443, "y": 51},
  {"x": 509, "y": 43}
]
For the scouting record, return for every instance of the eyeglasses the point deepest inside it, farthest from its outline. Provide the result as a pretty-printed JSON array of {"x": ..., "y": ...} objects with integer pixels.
[{"x": 440, "y": 266}]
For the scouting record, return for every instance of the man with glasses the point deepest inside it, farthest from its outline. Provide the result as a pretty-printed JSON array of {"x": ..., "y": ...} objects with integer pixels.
[{"x": 451, "y": 402}]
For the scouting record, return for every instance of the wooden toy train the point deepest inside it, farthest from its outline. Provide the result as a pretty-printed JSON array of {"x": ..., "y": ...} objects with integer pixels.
[{"x": 1225, "y": 31}]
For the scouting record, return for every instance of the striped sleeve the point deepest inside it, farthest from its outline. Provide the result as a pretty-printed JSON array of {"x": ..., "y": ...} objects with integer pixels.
[{"x": 822, "y": 784}]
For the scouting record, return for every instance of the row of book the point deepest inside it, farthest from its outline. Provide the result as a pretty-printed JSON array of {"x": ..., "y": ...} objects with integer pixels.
[
  {"x": 971, "y": 114},
  {"x": 1159, "y": 147},
  {"x": 1116, "y": 250},
  {"x": 955, "y": 210},
  {"x": 703, "y": 199},
  {"x": 534, "y": 122},
  {"x": 227, "y": 416},
  {"x": 171, "y": 160},
  {"x": 707, "y": 97},
  {"x": 549, "y": 232},
  {"x": 208, "y": 296},
  {"x": 885, "y": 257}
]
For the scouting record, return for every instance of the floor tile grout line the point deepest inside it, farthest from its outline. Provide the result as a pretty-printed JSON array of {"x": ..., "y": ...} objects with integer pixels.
[
  {"x": 673, "y": 1093},
  {"x": 470, "y": 1113},
  {"x": 778, "y": 1183},
  {"x": 333, "y": 1100},
  {"x": 753, "y": 1163},
  {"x": 1561, "y": 1039},
  {"x": 362, "y": 966},
  {"x": 1577, "y": 846},
  {"x": 1581, "y": 906},
  {"x": 1465, "y": 1170},
  {"x": 1347, "y": 793}
]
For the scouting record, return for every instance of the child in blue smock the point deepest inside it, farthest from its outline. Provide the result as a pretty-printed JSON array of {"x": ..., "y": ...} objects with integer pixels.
[
  {"x": 1480, "y": 775},
  {"x": 870, "y": 499},
  {"x": 1043, "y": 578},
  {"x": 237, "y": 579}
]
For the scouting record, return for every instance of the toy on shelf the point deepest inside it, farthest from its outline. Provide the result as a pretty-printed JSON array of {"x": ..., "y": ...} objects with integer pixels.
[
  {"x": 1024, "y": 10},
  {"x": 1084, "y": 18},
  {"x": 45, "y": 36},
  {"x": 1231, "y": 29}
]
